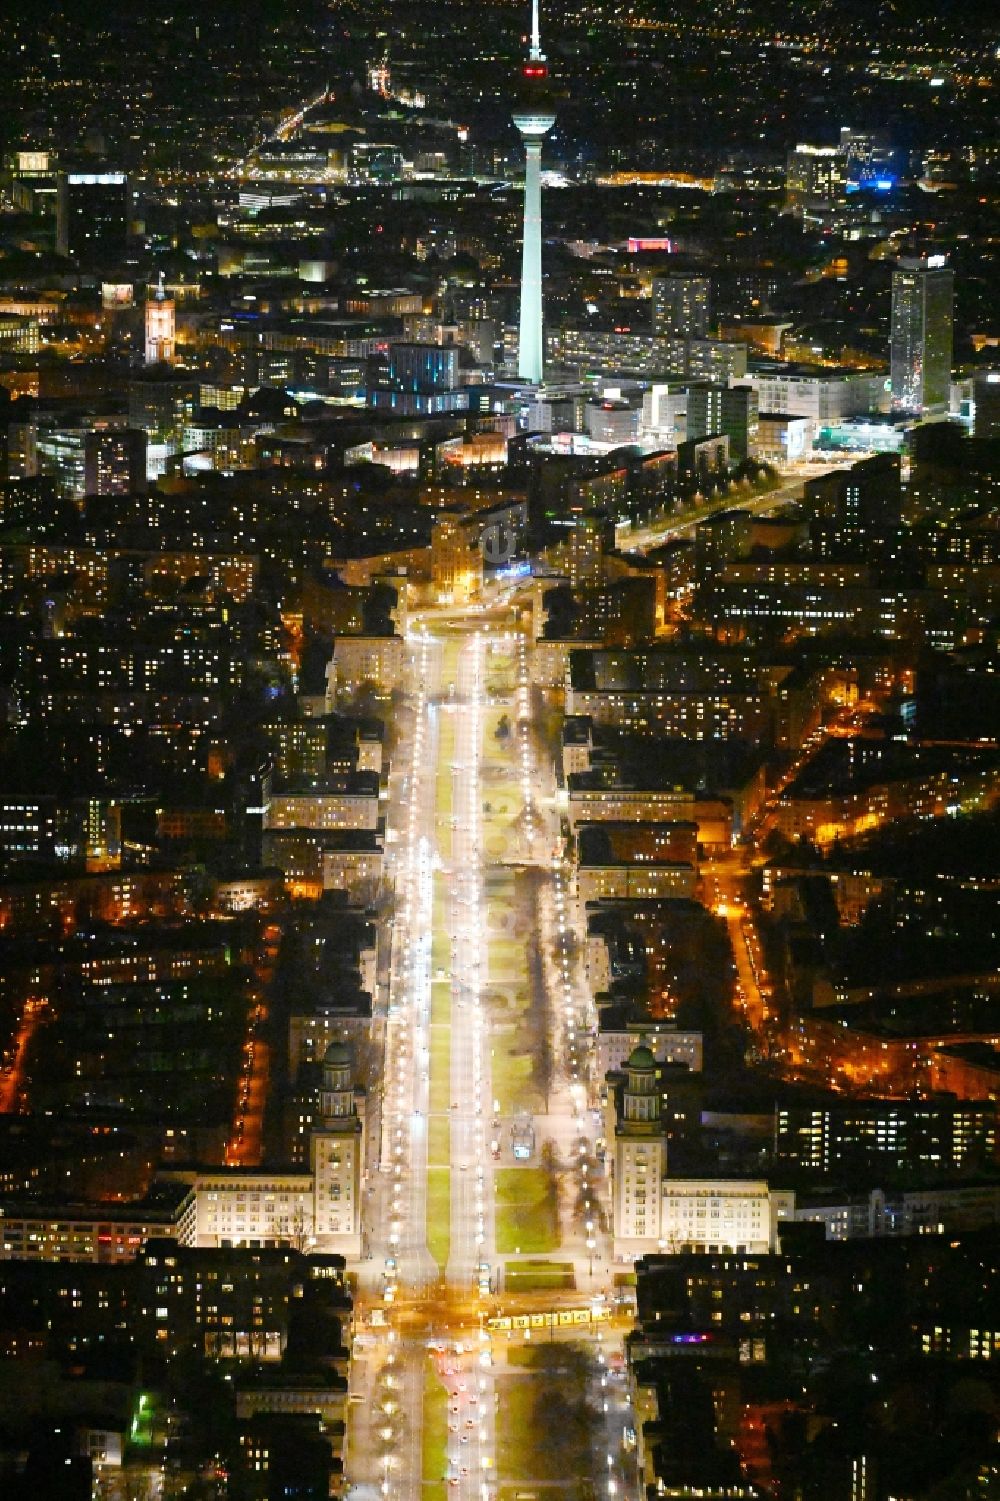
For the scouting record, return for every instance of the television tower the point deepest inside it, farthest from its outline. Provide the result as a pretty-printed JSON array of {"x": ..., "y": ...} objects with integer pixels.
[{"x": 534, "y": 118}]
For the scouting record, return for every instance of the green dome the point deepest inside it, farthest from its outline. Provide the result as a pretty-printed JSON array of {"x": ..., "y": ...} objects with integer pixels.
[
  {"x": 640, "y": 1059},
  {"x": 337, "y": 1055}
]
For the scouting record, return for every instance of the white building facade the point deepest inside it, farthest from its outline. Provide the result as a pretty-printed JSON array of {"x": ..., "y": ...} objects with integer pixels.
[{"x": 654, "y": 1212}]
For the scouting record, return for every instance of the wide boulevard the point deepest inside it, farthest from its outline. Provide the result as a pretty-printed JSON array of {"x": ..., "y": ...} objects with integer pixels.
[{"x": 487, "y": 1277}]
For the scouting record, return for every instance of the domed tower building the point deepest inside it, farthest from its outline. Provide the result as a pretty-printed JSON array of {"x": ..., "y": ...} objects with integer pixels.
[
  {"x": 640, "y": 1158},
  {"x": 656, "y": 1212},
  {"x": 337, "y": 1154}
]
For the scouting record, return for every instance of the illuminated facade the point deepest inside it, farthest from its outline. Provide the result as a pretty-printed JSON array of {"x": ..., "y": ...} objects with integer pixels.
[
  {"x": 815, "y": 177},
  {"x": 160, "y": 328},
  {"x": 349, "y": 802},
  {"x": 711, "y": 1214},
  {"x": 318, "y": 1209},
  {"x": 615, "y": 1044},
  {"x": 681, "y": 306},
  {"x": 732, "y": 410},
  {"x": 654, "y": 1211},
  {"x": 337, "y": 1158},
  {"x": 921, "y": 336},
  {"x": 456, "y": 560},
  {"x": 640, "y": 1158},
  {"x": 361, "y": 660},
  {"x": 114, "y": 461},
  {"x": 591, "y": 537}
]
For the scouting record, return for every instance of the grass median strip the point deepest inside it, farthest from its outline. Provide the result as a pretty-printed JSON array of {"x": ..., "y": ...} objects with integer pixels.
[
  {"x": 439, "y": 1214},
  {"x": 434, "y": 1435},
  {"x": 438, "y": 1141},
  {"x": 440, "y": 1003},
  {"x": 440, "y": 941},
  {"x": 446, "y": 754},
  {"x": 439, "y": 1101}
]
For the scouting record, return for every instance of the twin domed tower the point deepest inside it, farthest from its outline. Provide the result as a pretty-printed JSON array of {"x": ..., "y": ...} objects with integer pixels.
[{"x": 534, "y": 117}]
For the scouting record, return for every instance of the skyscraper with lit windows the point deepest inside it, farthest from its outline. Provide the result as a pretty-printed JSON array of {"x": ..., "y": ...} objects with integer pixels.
[
  {"x": 681, "y": 306},
  {"x": 92, "y": 216},
  {"x": 921, "y": 334}
]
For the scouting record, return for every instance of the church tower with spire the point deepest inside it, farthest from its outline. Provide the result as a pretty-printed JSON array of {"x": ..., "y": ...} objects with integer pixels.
[{"x": 161, "y": 345}]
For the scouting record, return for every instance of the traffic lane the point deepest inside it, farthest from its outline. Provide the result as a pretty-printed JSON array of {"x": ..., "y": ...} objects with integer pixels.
[{"x": 471, "y": 1464}]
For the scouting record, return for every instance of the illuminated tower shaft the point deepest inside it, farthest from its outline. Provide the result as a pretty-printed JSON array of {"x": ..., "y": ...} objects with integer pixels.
[
  {"x": 530, "y": 349},
  {"x": 534, "y": 118}
]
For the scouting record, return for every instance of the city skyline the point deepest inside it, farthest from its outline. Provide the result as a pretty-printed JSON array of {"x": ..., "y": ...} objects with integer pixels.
[{"x": 499, "y": 760}]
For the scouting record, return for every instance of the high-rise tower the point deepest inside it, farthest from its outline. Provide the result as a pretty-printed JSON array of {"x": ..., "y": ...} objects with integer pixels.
[
  {"x": 337, "y": 1152},
  {"x": 534, "y": 118},
  {"x": 681, "y": 306},
  {"x": 920, "y": 346},
  {"x": 92, "y": 217}
]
